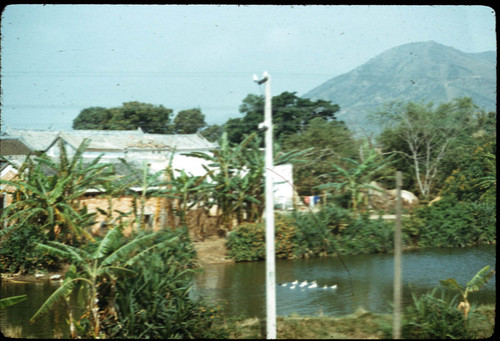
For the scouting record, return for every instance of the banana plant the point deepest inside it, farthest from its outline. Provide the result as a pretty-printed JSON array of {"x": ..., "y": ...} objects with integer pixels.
[
  {"x": 233, "y": 178},
  {"x": 46, "y": 193},
  {"x": 356, "y": 176},
  {"x": 235, "y": 175},
  {"x": 475, "y": 284},
  {"x": 94, "y": 273},
  {"x": 8, "y": 301}
]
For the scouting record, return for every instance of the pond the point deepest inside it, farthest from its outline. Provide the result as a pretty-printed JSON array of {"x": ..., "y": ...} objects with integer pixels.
[{"x": 240, "y": 288}]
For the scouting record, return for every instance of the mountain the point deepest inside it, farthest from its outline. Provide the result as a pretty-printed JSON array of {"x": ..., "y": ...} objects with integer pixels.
[{"x": 423, "y": 71}]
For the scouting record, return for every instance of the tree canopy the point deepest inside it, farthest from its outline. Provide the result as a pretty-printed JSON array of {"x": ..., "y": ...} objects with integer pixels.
[
  {"x": 291, "y": 115},
  {"x": 425, "y": 135},
  {"x": 189, "y": 121},
  {"x": 130, "y": 116}
]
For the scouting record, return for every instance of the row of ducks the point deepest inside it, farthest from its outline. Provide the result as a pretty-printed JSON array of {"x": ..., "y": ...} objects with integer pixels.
[{"x": 309, "y": 285}]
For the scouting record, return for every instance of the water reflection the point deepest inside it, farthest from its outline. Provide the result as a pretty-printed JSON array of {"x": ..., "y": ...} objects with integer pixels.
[
  {"x": 241, "y": 287},
  {"x": 53, "y": 324}
]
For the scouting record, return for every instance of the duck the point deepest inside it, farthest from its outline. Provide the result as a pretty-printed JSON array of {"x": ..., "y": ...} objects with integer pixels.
[
  {"x": 295, "y": 282},
  {"x": 313, "y": 285},
  {"x": 283, "y": 284},
  {"x": 325, "y": 286},
  {"x": 334, "y": 286},
  {"x": 292, "y": 286},
  {"x": 303, "y": 284}
]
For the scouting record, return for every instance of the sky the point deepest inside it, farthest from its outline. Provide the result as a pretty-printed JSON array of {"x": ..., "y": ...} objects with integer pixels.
[{"x": 57, "y": 60}]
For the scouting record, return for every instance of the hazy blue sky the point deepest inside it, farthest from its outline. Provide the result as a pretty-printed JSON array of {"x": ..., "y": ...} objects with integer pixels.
[{"x": 59, "y": 59}]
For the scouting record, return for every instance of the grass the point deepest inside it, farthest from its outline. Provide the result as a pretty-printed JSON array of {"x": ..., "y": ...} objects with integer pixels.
[{"x": 360, "y": 325}]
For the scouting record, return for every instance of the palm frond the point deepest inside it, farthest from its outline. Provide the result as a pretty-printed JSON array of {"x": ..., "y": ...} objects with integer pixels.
[
  {"x": 61, "y": 292},
  {"x": 480, "y": 279},
  {"x": 109, "y": 239},
  {"x": 126, "y": 249},
  {"x": 8, "y": 301},
  {"x": 76, "y": 255}
]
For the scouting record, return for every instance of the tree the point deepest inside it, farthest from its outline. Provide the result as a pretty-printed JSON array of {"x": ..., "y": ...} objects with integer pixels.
[
  {"x": 236, "y": 178},
  {"x": 423, "y": 134},
  {"x": 212, "y": 133},
  {"x": 327, "y": 141},
  {"x": 291, "y": 115},
  {"x": 92, "y": 118},
  {"x": 130, "y": 116},
  {"x": 189, "y": 121}
]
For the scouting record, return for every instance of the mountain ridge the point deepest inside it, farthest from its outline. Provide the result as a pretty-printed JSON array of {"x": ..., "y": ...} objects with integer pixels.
[{"x": 419, "y": 71}]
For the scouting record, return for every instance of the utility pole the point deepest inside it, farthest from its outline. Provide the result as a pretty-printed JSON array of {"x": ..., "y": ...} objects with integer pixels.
[{"x": 270, "y": 254}]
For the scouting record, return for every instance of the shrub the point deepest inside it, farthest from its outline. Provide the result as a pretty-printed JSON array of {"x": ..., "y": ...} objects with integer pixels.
[
  {"x": 156, "y": 302},
  {"x": 18, "y": 252},
  {"x": 365, "y": 235},
  {"x": 316, "y": 232},
  {"x": 450, "y": 223},
  {"x": 434, "y": 316},
  {"x": 247, "y": 242}
]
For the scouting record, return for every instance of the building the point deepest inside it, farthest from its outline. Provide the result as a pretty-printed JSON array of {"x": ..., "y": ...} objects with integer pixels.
[
  {"x": 139, "y": 149},
  {"x": 157, "y": 150}
]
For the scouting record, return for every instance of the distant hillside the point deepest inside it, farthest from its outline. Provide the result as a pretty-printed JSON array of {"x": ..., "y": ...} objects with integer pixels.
[{"x": 425, "y": 71}]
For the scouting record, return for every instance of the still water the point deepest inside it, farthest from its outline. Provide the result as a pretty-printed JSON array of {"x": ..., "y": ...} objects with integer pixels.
[{"x": 240, "y": 288}]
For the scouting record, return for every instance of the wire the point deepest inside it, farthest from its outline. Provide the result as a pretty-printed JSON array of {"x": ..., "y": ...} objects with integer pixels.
[{"x": 190, "y": 74}]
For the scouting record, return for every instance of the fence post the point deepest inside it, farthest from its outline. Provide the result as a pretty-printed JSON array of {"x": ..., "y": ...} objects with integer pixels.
[{"x": 396, "y": 327}]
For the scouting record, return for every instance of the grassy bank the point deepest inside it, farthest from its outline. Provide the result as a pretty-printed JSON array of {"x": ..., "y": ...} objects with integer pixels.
[{"x": 360, "y": 325}]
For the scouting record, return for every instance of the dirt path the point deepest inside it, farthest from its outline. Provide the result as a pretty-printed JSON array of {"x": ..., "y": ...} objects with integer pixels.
[{"x": 212, "y": 251}]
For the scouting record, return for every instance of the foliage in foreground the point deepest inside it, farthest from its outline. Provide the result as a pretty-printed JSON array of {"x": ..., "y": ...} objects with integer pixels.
[
  {"x": 131, "y": 287},
  {"x": 156, "y": 302},
  {"x": 359, "y": 325},
  {"x": 439, "y": 315}
]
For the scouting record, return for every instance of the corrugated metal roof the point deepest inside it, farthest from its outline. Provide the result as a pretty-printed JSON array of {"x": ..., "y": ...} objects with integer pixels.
[
  {"x": 13, "y": 146},
  {"x": 38, "y": 140},
  {"x": 114, "y": 139}
]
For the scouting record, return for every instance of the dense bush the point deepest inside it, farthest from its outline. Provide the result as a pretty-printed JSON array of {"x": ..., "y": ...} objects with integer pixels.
[
  {"x": 18, "y": 253},
  {"x": 247, "y": 242},
  {"x": 365, "y": 235},
  {"x": 450, "y": 223},
  {"x": 324, "y": 233},
  {"x": 155, "y": 303},
  {"x": 446, "y": 223},
  {"x": 434, "y": 316}
]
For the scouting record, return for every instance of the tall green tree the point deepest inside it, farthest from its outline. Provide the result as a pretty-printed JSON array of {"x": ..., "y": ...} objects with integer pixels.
[
  {"x": 235, "y": 177},
  {"x": 130, "y": 116},
  {"x": 92, "y": 118},
  {"x": 291, "y": 115},
  {"x": 189, "y": 121}
]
